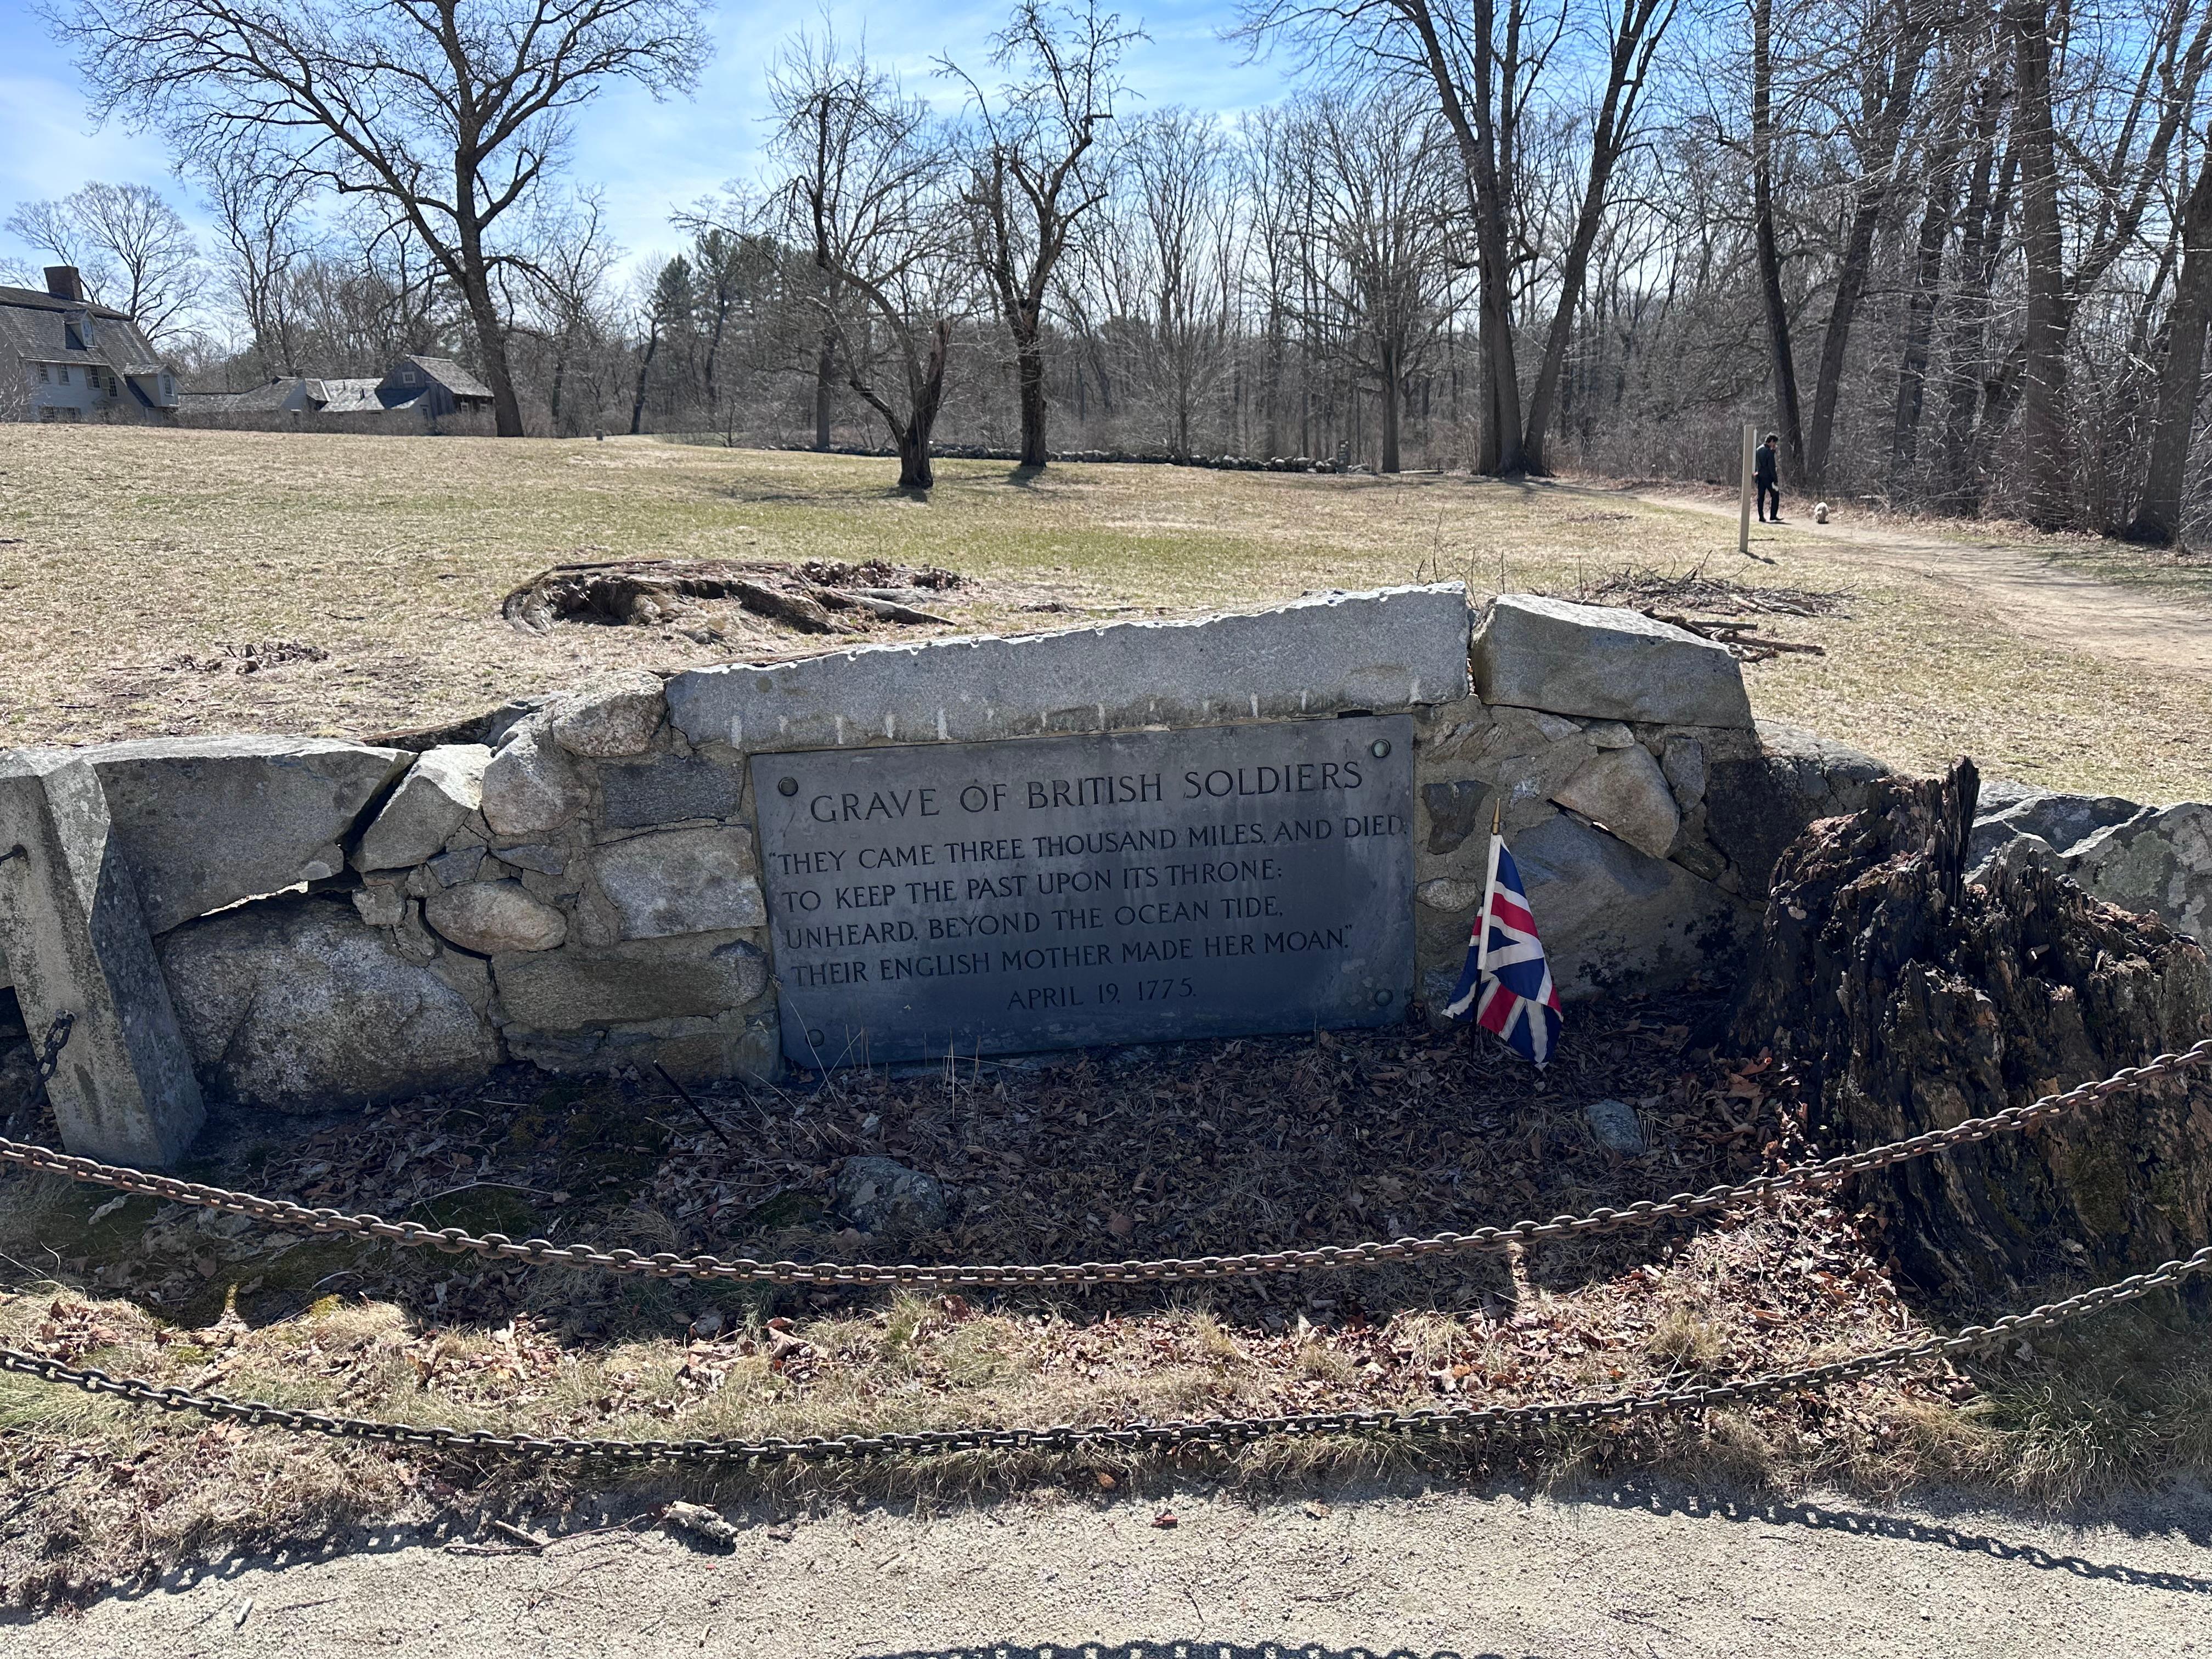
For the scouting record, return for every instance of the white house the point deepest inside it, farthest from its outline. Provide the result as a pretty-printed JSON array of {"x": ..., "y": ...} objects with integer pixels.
[{"x": 75, "y": 360}]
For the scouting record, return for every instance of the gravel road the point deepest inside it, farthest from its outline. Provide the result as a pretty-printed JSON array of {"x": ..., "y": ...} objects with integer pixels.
[{"x": 1624, "y": 1570}]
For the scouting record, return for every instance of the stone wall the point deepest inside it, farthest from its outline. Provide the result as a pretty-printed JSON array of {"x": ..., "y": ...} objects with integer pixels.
[{"x": 576, "y": 883}]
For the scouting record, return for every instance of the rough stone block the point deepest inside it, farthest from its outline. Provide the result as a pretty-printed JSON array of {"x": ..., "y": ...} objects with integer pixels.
[
  {"x": 1376, "y": 651},
  {"x": 615, "y": 715},
  {"x": 1457, "y": 810},
  {"x": 694, "y": 1050},
  {"x": 491, "y": 916},
  {"x": 1685, "y": 767},
  {"x": 576, "y": 989},
  {"x": 668, "y": 791},
  {"x": 541, "y": 860},
  {"x": 2160, "y": 860},
  {"x": 299, "y": 1005},
  {"x": 205, "y": 822},
  {"x": 530, "y": 785},
  {"x": 1613, "y": 1124},
  {"x": 452, "y": 869},
  {"x": 71, "y": 923},
  {"x": 435, "y": 798},
  {"x": 2062, "y": 822},
  {"x": 1756, "y": 805},
  {"x": 680, "y": 881},
  {"x": 1625, "y": 791},
  {"x": 1536, "y": 652},
  {"x": 1612, "y": 919}
]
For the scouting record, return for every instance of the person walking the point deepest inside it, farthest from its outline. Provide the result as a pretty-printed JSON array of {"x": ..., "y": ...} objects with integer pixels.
[{"x": 1770, "y": 485}]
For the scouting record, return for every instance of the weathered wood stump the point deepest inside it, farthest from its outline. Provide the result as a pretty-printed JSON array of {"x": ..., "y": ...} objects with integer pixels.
[{"x": 1908, "y": 1000}]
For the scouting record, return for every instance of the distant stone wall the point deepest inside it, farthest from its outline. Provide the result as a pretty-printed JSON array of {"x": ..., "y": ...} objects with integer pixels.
[{"x": 578, "y": 883}]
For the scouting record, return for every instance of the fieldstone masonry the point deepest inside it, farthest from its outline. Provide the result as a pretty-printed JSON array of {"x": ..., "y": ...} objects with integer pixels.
[{"x": 577, "y": 882}]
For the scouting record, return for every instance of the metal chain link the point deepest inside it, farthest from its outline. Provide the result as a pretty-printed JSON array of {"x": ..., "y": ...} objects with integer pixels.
[
  {"x": 1141, "y": 1436},
  {"x": 49, "y": 1052},
  {"x": 541, "y": 1252}
]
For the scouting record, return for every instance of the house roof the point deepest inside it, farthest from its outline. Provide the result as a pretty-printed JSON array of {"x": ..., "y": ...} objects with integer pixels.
[
  {"x": 269, "y": 395},
  {"x": 450, "y": 375},
  {"x": 33, "y": 327},
  {"x": 39, "y": 300},
  {"x": 345, "y": 397}
]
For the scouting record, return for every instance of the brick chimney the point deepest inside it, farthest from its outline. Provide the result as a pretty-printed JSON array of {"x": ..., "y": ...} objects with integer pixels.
[{"x": 63, "y": 283}]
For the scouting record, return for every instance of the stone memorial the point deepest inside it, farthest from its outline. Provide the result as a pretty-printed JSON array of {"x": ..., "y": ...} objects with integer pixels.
[
  {"x": 1274, "y": 821},
  {"x": 995, "y": 898}
]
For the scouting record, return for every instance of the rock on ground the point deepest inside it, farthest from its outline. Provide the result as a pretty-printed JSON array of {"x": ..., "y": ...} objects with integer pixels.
[
  {"x": 2159, "y": 861},
  {"x": 1613, "y": 1124},
  {"x": 880, "y": 1194},
  {"x": 299, "y": 1005}
]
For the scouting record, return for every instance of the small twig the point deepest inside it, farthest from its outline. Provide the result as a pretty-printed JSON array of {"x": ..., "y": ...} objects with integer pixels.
[
  {"x": 685, "y": 1096},
  {"x": 528, "y": 1540}
]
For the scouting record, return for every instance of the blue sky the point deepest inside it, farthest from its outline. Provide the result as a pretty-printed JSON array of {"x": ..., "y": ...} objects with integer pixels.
[{"x": 648, "y": 157}]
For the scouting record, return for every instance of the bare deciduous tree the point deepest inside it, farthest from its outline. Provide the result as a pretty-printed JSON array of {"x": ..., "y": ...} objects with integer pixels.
[
  {"x": 133, "y": 251},
  {"x": 1033, "y": 176},
  {"x": 870, "y": 186},
  {"x": 448, "y": 113}
]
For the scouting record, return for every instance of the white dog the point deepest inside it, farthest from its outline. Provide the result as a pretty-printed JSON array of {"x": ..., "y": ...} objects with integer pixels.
[{"x": 1819, "y": 512}]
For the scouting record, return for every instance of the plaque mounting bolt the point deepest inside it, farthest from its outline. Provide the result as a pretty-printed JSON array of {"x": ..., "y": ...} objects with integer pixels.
[
  {"x": 1379, "y": 748},
  {"x": 786, "y": 786},
  {"x": 1383, "y": 998}
]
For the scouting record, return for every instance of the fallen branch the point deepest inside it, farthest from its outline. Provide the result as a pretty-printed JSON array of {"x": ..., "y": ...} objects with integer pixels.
[{"x": 1742, "y": 640}]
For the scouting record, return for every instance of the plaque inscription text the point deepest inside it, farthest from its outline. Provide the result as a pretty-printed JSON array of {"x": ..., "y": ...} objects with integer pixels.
[{"x": 1140, "y": 886}]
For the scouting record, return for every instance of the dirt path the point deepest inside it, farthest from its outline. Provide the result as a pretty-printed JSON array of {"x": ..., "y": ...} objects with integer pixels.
[
  {"x": 2032, "y": 593},
  {"x": 1627, "y": 1572}
]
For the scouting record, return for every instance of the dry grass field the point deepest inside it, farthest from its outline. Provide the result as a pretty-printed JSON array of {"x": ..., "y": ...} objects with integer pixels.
[
  {"x": 367, "y": 574},
  {"x": 178, "y": 582}
]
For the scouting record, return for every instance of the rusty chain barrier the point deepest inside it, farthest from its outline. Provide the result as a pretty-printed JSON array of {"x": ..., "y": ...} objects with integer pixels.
[
  {"x": 541, "y": 1252},
  {"x": 1218, "y": 1433}
]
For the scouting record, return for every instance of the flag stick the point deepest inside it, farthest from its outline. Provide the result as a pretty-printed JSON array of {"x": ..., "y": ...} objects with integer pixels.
[{"x": 1489, "y": 888}]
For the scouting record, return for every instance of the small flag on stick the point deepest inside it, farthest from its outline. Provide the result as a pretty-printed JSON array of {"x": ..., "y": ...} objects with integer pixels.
[{"x": 1506, "y": 985}]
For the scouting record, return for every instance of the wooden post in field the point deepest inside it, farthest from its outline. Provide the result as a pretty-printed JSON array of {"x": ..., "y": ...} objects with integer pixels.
[{"x": 1743, "y": 504}]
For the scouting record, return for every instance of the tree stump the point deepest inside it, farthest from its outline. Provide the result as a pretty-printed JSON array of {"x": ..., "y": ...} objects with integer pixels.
[{"x": 1907, "y": 1000}]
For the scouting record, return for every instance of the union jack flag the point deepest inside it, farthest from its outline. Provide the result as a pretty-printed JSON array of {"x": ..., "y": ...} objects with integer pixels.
[{"x": 1507, "y": 985}]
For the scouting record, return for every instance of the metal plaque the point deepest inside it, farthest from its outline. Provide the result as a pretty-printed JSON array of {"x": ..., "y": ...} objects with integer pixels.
[{"x": 1049, "y": 893}]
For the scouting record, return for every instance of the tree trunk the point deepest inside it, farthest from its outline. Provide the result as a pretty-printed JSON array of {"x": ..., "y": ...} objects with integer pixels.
[
  {"x": 1920, "y": 319},
  {"x": 825, "y": 370},
  {"x": 925, "y": 391},
  {"x": 560, "y": 375},
  {"x": 644, "y": 368},
  {"x": 1906, "y": 1000},
  {"x": 2158, "y": 519},
  {"x": 1787, "y": 414},
  {"x": 491, "y": 342},
  {"x": 1029, "y": 380},
  {"x": 2043, "y": 413},
  {"x": 1979, "y": 247},
  {"x": 1393, "y": 411}
]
